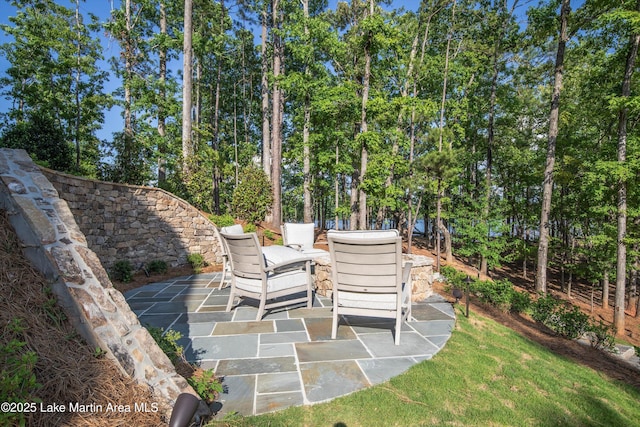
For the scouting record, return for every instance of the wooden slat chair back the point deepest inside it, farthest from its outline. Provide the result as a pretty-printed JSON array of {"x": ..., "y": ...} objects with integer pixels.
[
  {"x": 368, "y": 277},
  {"x": 251, "y": 276},
  {"x": 226, "y": 265}
]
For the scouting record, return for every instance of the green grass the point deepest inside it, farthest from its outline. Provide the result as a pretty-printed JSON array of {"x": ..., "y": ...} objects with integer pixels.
[{"x": 487, "y": 375}]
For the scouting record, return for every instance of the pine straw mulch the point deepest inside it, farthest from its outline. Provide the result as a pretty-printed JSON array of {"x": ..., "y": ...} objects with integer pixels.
[{"x": 69, "y": 370}]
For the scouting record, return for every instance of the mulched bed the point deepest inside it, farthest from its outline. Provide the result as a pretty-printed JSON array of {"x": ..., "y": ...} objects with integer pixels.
[{"x": 69, "y": 370}]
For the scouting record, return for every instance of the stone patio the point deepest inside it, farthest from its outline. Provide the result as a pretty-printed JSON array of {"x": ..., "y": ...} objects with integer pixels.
[{"x": 288, "y": 358}]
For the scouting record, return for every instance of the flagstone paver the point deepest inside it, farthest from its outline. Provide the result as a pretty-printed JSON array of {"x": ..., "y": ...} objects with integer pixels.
[{"x": 288, "y": 358}]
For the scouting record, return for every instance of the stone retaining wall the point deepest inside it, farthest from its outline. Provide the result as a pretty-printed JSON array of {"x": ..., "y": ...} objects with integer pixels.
[
  {"x": 56, "y": 246},
  {"x": 135, "y": 223}
]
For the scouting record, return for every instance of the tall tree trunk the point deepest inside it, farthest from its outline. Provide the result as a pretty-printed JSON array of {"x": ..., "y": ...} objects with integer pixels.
[
  {"x": 276, "y": 125},
  {"x": 129, "y": 54},
  {"x": 490, "y": 139},
  {"x": 395, "y": 148},
  {"x": 216, "y": 178},
  {"x": 364, "y": 128},
  {"x": 605, "y": 288},
  {"x": 353, "y": 219},
  {"x": 306, "y": 155},
  {"x": 77, "y": 88},
  {"x": 264, "y": 87},
  {"x": 197, "y": 96},
  {"x": 187, "y": 68},
  {"x": 337, "y": 193},
  {"x": 162, "y": 119},
  {"x": 439, "y": 227},
  {"x": 547, "y": 186},
  {"x": 621, "y": 265},
  {"x": 412, "y": 143}
]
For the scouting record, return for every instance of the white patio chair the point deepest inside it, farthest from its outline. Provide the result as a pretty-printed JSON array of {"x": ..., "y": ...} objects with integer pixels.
[
  {"x": 301, "y": 237},
  {"x": 368, "y": 277},
  {"x": 226, "y": 267},
  {"x": 272, "y": 285}
]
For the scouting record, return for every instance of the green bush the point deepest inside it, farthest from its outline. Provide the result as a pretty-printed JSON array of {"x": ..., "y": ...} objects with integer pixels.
[
  {"x": 197, "y": 262},
  {"x": 455, "y": 278},
  {"x": 499, "y": 293},
  {"x": 18, "y": 382},
  {"x": 157, "y": 266},
  {"x": 205, "y": 383},
  {"x": 601, "y": 336},
  {"x": 563, "y": 318},
  {"x": 544, "y": 308},
  {"x": 42, "y": 138},
  {"x": 168, "y": 342},
  {"x": 252, "y": 198},
  {"x": 250, "y": 228},
  {"x": 268, "y": 234},
  {"x": 520, "y": 302},
  {"x": 222, "y": 220},
  {"x": 122, "y": 271}
]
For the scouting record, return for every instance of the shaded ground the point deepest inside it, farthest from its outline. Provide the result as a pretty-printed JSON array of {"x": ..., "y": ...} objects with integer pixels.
[{"x": 69, "y": 370}]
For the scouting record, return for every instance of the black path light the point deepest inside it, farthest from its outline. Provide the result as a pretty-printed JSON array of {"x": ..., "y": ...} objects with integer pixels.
[
  {"x": 457, "y": 294},
  {"x": 184, "y": 410}
]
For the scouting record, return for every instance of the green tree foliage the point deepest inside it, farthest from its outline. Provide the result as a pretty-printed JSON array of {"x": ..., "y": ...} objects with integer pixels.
[
  {"x": 42, "y": 139},
  {"x": 252, "y": 198},
  {"x": 53, "y": 69}
]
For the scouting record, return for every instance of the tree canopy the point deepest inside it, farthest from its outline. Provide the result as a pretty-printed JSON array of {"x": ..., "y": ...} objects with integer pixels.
[{"x": 361, "y": 116}]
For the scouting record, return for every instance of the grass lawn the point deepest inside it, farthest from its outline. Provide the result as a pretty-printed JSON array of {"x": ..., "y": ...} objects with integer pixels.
[{"x": 486, "y": 375}]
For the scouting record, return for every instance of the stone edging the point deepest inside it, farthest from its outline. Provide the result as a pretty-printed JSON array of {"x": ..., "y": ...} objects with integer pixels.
[{"x": 56, "y": 246}]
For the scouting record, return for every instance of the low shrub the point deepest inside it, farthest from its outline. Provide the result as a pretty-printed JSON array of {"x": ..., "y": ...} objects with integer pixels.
[
  {"x": 17, "y": 371},
  {"x": 250, "y": 228},
  {"x": 197, "y": 262},
  {"x": 168, "y": 342},
  {"x": 499, "y": 293},
  {"x": 122, "y": 271},
  {"x": 602, "y": 336},
  {"x": 205, "y": 383},
  {"x": 157, "y": 266},
  {"x": 455, "y": 278},
  {"x": 222, "y": 220},
  {"x": 268, "y": 234},
  {"x": 521, "y": 302},
  {"x": 561, "y": 317},
  {"x": 252, "y": 198},
  {"x": 544, "y": 308}
]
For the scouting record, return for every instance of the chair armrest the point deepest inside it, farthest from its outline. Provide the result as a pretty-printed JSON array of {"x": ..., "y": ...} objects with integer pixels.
[
  {"x": 294, "y": 264},
  {"x": 296, "y": 246}
]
